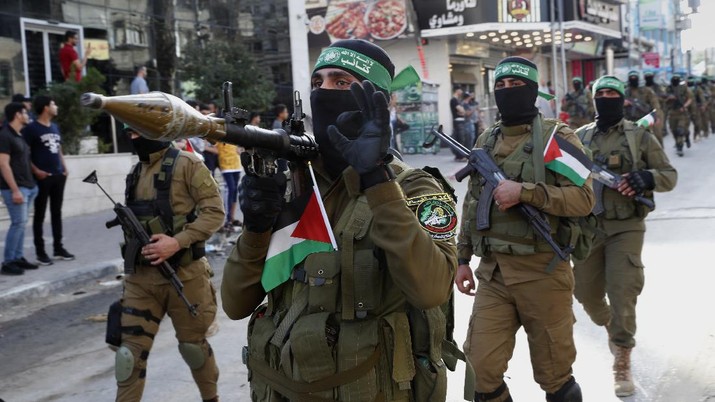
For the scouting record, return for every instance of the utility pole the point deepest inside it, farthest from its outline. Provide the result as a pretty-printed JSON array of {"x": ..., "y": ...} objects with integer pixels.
[
  {"x": 554, "y": 75},
  {"x": 300, "y": 63}
]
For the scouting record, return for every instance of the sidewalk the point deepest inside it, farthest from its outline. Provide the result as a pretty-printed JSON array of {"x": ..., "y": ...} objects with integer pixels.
[{"x": 97, "y": 256}]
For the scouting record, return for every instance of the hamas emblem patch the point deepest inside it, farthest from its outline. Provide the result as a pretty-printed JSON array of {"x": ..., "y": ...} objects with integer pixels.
[{"x": 436, "y": 215}]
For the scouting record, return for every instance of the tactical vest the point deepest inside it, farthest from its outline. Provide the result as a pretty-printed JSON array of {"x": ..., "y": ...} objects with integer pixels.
[
  {"x": 681, "y": 96},
  {"x": 157, "y": 216},
  {"x": 624, "y": 156},
  {"x": 342, "y": 344},
  {"x": 509, "y": 232}
]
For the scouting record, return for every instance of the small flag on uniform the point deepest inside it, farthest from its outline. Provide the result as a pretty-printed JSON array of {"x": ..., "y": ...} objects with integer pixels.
[
  {"x": 566, "y": 159},
  {"x": 647, "y": 120},
  {"x": 302, "y": 228}
]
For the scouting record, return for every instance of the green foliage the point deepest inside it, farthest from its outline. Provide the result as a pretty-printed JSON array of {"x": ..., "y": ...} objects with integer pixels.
[
  {"x": 72, "y": 118},
  {"x": 220, "y": 61}
]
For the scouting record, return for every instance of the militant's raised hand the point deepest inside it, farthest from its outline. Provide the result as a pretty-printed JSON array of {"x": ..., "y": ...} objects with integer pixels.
[{"x": 366, "y": 153}]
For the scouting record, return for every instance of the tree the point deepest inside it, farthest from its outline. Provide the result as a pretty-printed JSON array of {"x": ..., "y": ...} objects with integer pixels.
[
  {"x": 209, "y": 66},
  {"x": 72, "y": 118}
]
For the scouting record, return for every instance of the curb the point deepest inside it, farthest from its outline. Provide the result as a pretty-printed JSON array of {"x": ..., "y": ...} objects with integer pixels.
[{"x": 70, "y": 279}]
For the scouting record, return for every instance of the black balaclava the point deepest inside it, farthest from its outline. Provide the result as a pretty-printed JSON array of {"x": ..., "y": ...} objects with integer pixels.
[
  {"x": 517, "y": 104},
  {"x": 633, "y": 81},
  {"x": 675, "y": 81},
  {"x": 145, "y": 147},
  {"x": 649, "y": 80},
  {"x": 577, "y": 85},
  {"x": 609, "y": 111},
  {"x": 328, "y": 104}
]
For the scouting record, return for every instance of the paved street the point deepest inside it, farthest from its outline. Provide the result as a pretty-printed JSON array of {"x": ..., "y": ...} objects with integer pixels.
[{"x": 52, "y": 348}]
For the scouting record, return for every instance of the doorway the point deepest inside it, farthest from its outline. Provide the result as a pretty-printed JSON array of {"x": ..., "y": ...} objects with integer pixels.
[{"x": 42, "y": 41}]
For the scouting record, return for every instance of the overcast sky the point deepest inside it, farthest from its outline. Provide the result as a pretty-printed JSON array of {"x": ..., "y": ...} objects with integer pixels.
[{"x": 700, "y": 36}]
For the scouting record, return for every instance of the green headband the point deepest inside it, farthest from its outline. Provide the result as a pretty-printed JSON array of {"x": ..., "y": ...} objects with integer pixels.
[
  {"x": 609, "y": 82},
  {"x": 356, "y": 62},
  {"x": 513, "y": 69},
  {"x": 519, "y": 70}
]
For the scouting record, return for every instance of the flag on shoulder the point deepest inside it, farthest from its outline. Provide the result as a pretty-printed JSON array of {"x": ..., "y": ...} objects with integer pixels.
[
  {"x": 647, "y": 120},
  {"x": 302, "y": 228},
  {"x": 566, "y": 159}
]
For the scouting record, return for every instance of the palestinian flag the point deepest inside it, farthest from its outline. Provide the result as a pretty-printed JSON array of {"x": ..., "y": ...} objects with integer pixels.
[
  {"x": 647, "y": 120},
  {"x": 301, "y": 229},
  {"x": 566, "y": 159}
]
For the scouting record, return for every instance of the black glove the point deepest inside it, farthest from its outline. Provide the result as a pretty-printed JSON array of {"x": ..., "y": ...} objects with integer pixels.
[
  {"x": 261, "y": 200},
  {"x": 641, "y": 180},
  {"x": 367, "y": 153}
]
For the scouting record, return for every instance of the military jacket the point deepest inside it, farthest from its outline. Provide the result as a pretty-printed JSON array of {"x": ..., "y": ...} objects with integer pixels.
[
  {"x": 557, "y": 197},
  {"x": 192, "y": 188},
  {"x": 612, "y": 149},
  {"x": 393, "y": 256},
  {"x": 579, "y": 104},
  {"x": 643, "y": 101},
  {"x": 677, "y": 97}
]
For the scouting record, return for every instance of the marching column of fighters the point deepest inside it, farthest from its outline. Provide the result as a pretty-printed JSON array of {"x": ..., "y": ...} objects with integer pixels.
[{"x": 371, "y": 319}]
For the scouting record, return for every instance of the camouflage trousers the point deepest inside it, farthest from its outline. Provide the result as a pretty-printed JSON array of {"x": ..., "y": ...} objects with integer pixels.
[{"x": 161, "y": 299}]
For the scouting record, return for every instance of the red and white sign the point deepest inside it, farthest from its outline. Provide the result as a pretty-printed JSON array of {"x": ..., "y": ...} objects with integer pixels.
[{"x": 651, "y": 59}]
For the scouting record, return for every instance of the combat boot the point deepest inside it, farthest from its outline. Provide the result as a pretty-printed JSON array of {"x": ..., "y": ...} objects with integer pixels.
[
  {"x": 679, "y": 149},
  {"x": 623, "y": 381},
  {"x": 569, "y": 392}
]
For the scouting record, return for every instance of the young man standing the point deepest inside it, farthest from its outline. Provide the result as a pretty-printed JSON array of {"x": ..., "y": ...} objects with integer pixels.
[
  {"x": 69, "y": 59},
  {"x": 48, "y": 166},
  {"x": 17, "y": 186},
  {"x": 281, "y": 112}
]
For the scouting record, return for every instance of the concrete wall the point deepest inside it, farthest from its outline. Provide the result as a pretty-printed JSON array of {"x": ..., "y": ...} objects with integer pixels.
[{"x": 82, "y": 198}]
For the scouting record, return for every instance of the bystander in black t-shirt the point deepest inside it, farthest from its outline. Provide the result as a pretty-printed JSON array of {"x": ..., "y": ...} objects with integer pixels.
[
  {"x": 13, "y": 144},
  {"x": 44, "y": 144},
  {"x": 453, "y": 103}
]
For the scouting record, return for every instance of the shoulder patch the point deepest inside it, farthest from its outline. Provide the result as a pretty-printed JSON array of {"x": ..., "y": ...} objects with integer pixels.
[{"x": 436, "y": 214}]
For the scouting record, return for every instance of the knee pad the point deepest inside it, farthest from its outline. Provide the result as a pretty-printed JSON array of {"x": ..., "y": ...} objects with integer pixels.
[
  {"x": 193, "y": 354},
  {"x": 123, "y": 364},
  {"x": 569, "y": 392}
]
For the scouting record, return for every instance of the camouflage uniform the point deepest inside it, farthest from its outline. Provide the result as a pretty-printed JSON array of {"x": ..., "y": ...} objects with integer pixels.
[
  {"x": 148, "y": 296},
  {"x": 579, "y": 105},
  {"x": 393, "y": 269},
  {"x": 643, "y": 101},
  {"x": 678, "y": 118},
  {"x": 515, "y": 288}
]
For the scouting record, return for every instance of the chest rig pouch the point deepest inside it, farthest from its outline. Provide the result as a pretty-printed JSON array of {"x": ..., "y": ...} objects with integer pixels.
[
  {"x": 620, "y": 155},
  {"x": 157, "y": 216},
  {"x": 508, "y": 232},
  {"x": 323, "y": 335}
]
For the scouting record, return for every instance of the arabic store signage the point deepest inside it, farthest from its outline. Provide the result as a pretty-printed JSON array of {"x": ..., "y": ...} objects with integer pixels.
[
  {"x": 438, "y": 14},
  {"x": 329, "y": 21}
]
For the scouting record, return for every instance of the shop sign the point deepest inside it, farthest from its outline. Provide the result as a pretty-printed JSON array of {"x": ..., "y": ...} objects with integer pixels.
[
  {"x": 437, "y": 14},
  {"x": 651, "y": 59},
  {"x": 333, "y": 20},
  {"x": 519, "y": 11}
]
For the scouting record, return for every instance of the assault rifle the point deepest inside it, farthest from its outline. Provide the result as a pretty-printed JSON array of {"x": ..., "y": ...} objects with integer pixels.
[
  {"x": 604, "y": 177},
  {"x": 131, "y": 225},
  {"x": 481, "y": 162},
  {"x": 636, "y": 109}
]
